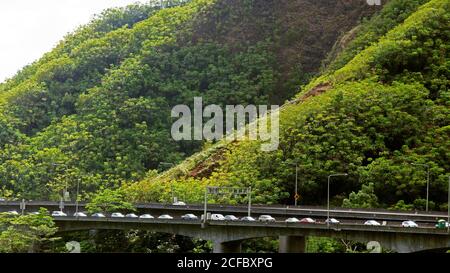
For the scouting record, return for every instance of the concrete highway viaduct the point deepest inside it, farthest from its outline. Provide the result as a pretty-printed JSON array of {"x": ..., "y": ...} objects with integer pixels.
[{"x": 228, "y": 236}]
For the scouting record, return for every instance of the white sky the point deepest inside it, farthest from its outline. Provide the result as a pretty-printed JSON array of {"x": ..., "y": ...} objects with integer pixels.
[{"x": 29, "y": 28}]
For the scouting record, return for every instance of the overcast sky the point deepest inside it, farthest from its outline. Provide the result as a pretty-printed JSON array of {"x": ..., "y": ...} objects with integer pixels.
[{"x": 29, "y": 28}]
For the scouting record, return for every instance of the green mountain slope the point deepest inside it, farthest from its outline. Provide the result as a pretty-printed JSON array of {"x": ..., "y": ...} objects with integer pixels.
[
  {"x": 382, "y": 104},
  {"x": 97, "y": 108}
]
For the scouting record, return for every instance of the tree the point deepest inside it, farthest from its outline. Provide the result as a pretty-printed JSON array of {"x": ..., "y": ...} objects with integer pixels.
[
  {"x": 365, "y": 198},
  {"x": 109, "y": 201},
  {"x": 27, "y": 233}
]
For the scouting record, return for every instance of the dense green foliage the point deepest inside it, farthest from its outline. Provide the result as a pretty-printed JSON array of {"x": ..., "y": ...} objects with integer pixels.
[
  {"x": 27, "y": 233},
  {"x": 367, "y": 33},
  {"x": 52, "y": 118},
  {"x": 135, "y": 241},
  {"x": 96, "y": 109},
  {"x": 386, "y": 108}
]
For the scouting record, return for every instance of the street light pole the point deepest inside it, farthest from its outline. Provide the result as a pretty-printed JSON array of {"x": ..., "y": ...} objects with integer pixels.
[
  {"x": 296, "y": 196},
  {"x": 206, "y": 204},
  {"x": 328, "y": 195},
  {"x": 249, "y": 201},
  {"x": 428, "y": 186},
  {"x": 76, "y": 201},
  {"x": 296, "y": 185},
  {"x": 428, "y": 181},
  {"x": 448, "y": 206}
]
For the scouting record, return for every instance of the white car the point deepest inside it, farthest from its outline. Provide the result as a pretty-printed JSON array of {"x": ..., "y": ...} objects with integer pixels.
[
  {"x": 292, "y": 220},
  {"x": 189, "y": 216},
  {"x": 34, "y": 213},
  {"x": 266, "y": 218},
  {"x": 217, "y": 217},
  {"x": 13, "y": 212},
  {"x": 248, "y": 219},
  {"x": 131, "y": 215},
  {"x": 117, "y": 215},
  {"x": 146, "y": 216},
  {"x": 409, "y": 224},
  {"x": 79, "y": 214},
  {"x": 165, "y": 217},
  {"x": 98, "y": 215},
  {"x": 332, "y": 221},
  {"x": 307, "y": 220},
  {"x": 231, "y": 218},
  {"x": 58, "y": 214},
  {"x": 372, "y": 223},
  {"x": 179, "y": 203}
]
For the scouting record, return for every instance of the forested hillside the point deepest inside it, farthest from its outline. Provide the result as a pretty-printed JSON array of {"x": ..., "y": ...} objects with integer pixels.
[
  {"x": 96, "y": 109},
  {"x": 381, "y": 104},
  {"x": 365, "y": 90}
]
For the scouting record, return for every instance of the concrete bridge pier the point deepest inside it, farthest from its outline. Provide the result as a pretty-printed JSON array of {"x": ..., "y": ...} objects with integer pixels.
[
  {"x": 227, "y": 247},
  {"x": 292, "y": 244}
]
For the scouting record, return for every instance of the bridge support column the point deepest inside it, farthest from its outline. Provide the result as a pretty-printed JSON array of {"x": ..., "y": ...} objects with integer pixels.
[
  {"x": 292, "y": 244},
  {"x": 227, "y": 247}
]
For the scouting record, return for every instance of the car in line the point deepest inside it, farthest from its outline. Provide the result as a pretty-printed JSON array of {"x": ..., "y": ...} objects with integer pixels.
[
  {"x": 332, "y": 221},
  {"x": 131, "y": 215},
  {"x": 12, "y": 212},
  {"x": 58, "y": 214},
  {"x": 117, "y": 215},
  {"x": 292, "y": 220},
  {"x": 307, "y": 221},
  {"x": 179, "y": 203},
  {"x": 441, "y": 224},
  {"x": 231, "y": 218},
  {"x": 372, "y": 223},
  {"x": 98, "y": 215},
  {"x": 410, "y": 224},
  {"x": 189, "y": 216},
  {"x": 79, "y": 214},
  {"x": 266, "y": 218},
  {"x": 165, "y": 217},
  {"x": 217, "y": 217},
  {"x": 146, "y": 216},
  {"x": 248, "y": 219}
]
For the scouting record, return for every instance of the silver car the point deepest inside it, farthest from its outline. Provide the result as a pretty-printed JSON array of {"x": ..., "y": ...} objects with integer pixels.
[
  {"x": 58, "y": 214},
  {"x": 131, "y": 215},
  {"x": 79, "y": 214},
  {"x": 117, "y": 215},
  {"x": 409, "y": 223},
  {"x": 146, "y": 216},
  {"x": 189, "y": 216},
  {"x": 266, "y": 218},
  {"x": 332, "y": 221},
  {"x": 13, "y": 212},
  {"x": 231, "y": 218},
  {"x": 372, "y": 223},
  {"x": 217, "y": 217},
  {"x": 165, "y": 217},
  {"x": 248, "y": 219},
  {"x": 98, "y": 215}
]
